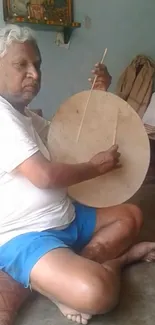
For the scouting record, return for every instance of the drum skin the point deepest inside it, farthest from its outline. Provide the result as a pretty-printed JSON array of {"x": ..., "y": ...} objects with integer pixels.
[{"x": 97, "y": 135}]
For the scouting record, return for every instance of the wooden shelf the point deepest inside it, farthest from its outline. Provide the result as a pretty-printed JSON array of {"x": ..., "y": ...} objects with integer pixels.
[{"x": 66, "y": 28}]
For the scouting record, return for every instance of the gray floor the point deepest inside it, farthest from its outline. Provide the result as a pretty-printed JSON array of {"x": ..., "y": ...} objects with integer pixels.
[{"x": 138, "y": 285}]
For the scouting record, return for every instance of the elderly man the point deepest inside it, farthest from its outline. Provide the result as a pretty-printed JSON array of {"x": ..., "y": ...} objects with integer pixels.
[{"x": 70, "y": 253}]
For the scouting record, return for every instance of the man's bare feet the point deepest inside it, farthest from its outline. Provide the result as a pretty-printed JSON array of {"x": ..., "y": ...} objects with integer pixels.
[
  {"x": 141, "y": 252},
  {"x": 144, "y": 251},
  {"x": 73, "y": 315}
]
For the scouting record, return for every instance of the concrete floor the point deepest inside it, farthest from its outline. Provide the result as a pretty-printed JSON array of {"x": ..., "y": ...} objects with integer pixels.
[{"x": 137, "y": 301}]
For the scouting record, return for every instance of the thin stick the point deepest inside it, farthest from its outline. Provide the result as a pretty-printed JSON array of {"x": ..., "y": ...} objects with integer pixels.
[
  {"x": 115, "y": 129},
  {"x": 87, "y": 103}
]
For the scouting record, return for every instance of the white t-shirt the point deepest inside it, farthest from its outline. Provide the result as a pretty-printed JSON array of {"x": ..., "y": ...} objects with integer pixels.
[{"x": 23, "y": 206}]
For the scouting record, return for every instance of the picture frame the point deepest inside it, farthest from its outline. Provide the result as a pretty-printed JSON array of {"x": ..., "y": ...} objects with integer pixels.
[{"x": 45, "y": 12}]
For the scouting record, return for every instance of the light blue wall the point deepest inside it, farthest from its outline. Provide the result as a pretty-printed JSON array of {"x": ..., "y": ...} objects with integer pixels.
[{"x": 126, "y": 27}]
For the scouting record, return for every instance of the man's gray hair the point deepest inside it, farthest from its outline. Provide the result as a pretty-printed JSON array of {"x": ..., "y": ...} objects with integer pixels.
[{"x": 14, "y": 33}]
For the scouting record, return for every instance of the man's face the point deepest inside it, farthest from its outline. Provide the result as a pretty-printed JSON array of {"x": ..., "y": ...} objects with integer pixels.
[{"x": 20, "y": 75}]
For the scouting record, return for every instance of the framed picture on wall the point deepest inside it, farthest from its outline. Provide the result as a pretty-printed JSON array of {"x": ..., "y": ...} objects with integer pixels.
[{"x": 49, "y": 12}]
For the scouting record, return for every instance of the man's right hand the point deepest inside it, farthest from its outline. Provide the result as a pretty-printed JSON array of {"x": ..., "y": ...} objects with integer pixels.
[{"x": 107, "y": 160}]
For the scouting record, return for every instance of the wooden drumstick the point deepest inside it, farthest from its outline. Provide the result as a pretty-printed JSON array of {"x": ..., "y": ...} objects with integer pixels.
[
  {"x": 115, "y": 128},
  {"x": 87, "y": 103}
]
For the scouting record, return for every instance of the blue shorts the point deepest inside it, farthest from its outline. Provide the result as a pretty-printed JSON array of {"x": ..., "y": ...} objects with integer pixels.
[{"x": 20, "y": 254}]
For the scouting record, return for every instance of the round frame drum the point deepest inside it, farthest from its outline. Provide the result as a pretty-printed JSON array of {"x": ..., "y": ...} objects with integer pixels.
[{"x": 97, "y": 135}]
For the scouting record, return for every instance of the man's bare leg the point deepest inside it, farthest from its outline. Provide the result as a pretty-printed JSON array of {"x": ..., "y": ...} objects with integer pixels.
[
  {"x": 84, "y": 285},
  {"x": 116, "y": 230}
]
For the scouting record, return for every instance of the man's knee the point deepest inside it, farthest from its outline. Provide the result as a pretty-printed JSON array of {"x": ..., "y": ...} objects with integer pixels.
[
  {"x": 133, "y": 217},
  {"x": 98, "y": 296}
]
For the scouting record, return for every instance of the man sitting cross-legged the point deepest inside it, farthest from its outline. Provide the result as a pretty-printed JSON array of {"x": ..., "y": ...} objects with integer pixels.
[{"x": 68, "y": 252}]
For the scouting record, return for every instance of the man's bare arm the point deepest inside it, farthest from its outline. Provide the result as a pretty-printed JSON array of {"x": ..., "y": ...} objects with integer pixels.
[{"x": 45, "y": 174}]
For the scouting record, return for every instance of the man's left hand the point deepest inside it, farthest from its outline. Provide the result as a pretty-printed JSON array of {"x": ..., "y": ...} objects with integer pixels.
[{"x": 103, "y": 79}]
